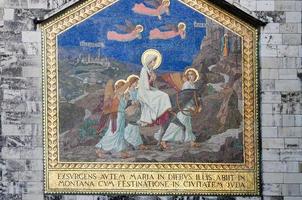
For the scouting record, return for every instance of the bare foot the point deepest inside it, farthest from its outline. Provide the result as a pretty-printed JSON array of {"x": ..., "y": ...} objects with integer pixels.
[
  {"x": 142, "y": 147},
  {"x": 163, "y": 145},
  {"x": 125, "y": 155},
  {"x": 99, "y": 153},
  {"x": 195, "y": 144}
]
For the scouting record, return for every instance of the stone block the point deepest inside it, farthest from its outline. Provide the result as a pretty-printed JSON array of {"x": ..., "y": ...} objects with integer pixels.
[
  {"x": 268, "y": 85},
  {"x": 288, "y": 120},
  {"x": 8, "y": 14},
  {"x": 15, "y": 4},
  {"x": 271, "y": 97},
  {"x": 291, "y": 154},
  {"x": 37, "y": 4},
  {"x": 32, "y": 48},
  {"x": 269, "y": 73},
  {"x": 288, "y": 85},
  {"x": 10, "y": 153},
  {"x": 291, "y": 39},
  {"x": 32, "y": 153},
  {"x": 33, "y": 196},
  {"x": 31, "y": 176},
  {"x": 291, "y": 63},
  {"x": 11, "y": 129},
  {"x": 37, "y": 141},
  {"x": 265, "y": 5},
  {"x": 290, "y": 28},
  {"x": 273, "y": 166},
  {"x": 298, "y": 120},
  {"x": 15, "y": 165},
  {"x": 268, "y": 38},
  {"x": 292, "y": 198},
  {"x": 291, "y": 166},
  {"x": 291, "y": 189},
  {"x": 292, "y": 178},
  {"x": 34, "y": 165},
  {"x": 291, "y": 143},
  {"x": 271, "y": 120},
  {"x": 266, "y": 108},
  {"x": 271, "y": 154},
  {"x": 272, "y": 189},
  {"x": 288, "y": 51},
  {"x": 31, "y": 72},
  {"x": 268, "y": 132},
  {"x": 33, "y": 187},
  {"x": 271, "y": 28},
  {"x": 249, "y": 4},
  {"x": 273, "y": 143},
  {"x": 285, "y": 6},
  {"x": 293, "y": 17},
  {"x": 268, "y": 50},
  {"x": 270, "y": 62},
  {"x": 288, "y": 74},
  {"x": 31, "y": 36},
  {"x": 272, "y": 198}
]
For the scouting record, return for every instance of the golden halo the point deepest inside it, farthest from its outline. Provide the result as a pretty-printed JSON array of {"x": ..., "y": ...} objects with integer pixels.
[
  {"x": 139, "y": 26},
  {"x": 132, "y": 76},
  {"x": 152, "y": 52},
  {"x": 195, "y": 71},
  {"x": 166, "y": 1},
  {"x": 119, "y": 81},
  {"x": 182, "y": 24}
]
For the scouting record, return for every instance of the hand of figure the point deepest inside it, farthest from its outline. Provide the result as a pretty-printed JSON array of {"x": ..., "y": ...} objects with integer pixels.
[
  {"x": 199, "y": 109},
  {"x": 153, "y": 76},
  {"x": 168, "y": 12}
]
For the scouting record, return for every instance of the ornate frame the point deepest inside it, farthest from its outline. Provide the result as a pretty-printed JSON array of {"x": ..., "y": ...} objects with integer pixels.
[{"x": 248, "y": 170}]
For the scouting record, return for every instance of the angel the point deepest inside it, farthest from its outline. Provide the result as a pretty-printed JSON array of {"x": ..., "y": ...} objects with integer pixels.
[
  {"x": 159, "y": 8},
  {"x": 131, "y": 32},
  {"x": 169, "y": 31},
  {"x": 115, "y": 102},
  {"x": 132, "y": 130},
  {"x": 174, "y": 133}
]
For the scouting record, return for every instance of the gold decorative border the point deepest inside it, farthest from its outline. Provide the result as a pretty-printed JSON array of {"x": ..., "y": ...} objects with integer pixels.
[{"x": 82, "y": 11}]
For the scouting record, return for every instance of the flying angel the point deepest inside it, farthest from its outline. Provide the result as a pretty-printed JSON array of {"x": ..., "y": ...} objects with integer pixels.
[
  {"x": 130, "y": 32},
  {"x": 168, "y": 31},
  {"x": 158, "y": 8}
]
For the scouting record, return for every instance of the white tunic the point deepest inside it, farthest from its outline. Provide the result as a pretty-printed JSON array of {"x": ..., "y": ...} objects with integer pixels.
[
  {"x": 115, "y": 141},
  {"x": 154, "y": 102},
  {"x": 174, "y": 133},
  {"x": 132, "y": 132}
]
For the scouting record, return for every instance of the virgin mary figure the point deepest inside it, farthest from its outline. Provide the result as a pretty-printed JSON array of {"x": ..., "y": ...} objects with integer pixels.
[{"x": 155, "y": 103}]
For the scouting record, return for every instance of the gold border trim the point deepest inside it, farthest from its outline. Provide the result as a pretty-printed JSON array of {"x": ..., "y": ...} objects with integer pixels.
[{"x": 84, "y": 10}]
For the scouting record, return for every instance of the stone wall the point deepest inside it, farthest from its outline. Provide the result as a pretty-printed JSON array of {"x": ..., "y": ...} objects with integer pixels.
[{"x": 21, "y": 148}]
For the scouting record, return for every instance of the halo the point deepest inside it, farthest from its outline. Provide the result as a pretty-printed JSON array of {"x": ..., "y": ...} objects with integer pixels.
[
  {"x": 152, "y": 52},
  {"x": 139, "y": 26},
  {"x": 119, "y": 81},
  {"x": 195, "y": 71},
  {"x": 168, "y": 1},
  {"x": 132, "y": 76},
  {"x": 183, "y": 24}
]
